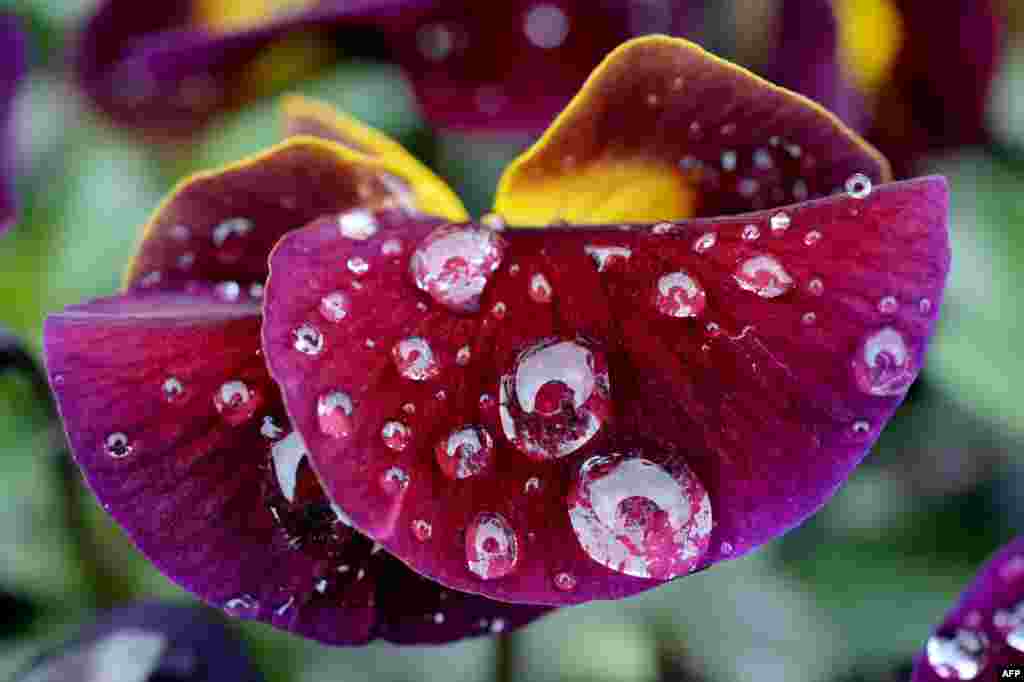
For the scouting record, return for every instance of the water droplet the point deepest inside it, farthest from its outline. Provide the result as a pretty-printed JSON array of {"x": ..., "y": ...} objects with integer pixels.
[
  {"x": 499, "y": 310},
  {"x": 727, "y": 548},
  {"x": 307, "y": 339},
  {"x": 334, "y": 411},
  {"x": 335, "y": 306},
  {"x": 858, "y": 186},
  {"x": 812, "y": 238},
  {"x": 370, "y": 343},
  {"x": 925, "y": 306},
  {"x": 808, "y": 319},
  {"x": 751, "y": 232},
  {"x": 172, "y": 389},
  {"x": 540, "y": 289},
  {"x": 233, "y": 227},
  {"x": 438, "y": 618},
  {"x": 653, "y": 100},
  {"x": 663, "y": 228},
  {"x": 492, "y": 547},
  {"x": 679, "y": 295},
  {"x": 546, "y": 26},
  {"x": 1013, "y": 569},
  {"x": 465, "y": 452},
  {"x": 606, "y": 256},
  {"x": 860, "y": 427},
  {"x": 422, "y": 530},
  {"x": 391, "y": 247},
  {"x": 180, "y": 233},
  {"x": 487, "y": 402},
  {"x": 728, "y": 129},
  {"x": 435, "y": 41},
  {"x": 780, "y": 222},
  {"x": 186, "y": 260},
  {"x": 728, "y": 160},
  {"x": 764, "y": 276},
  {"x": 409, "y": 408},
  {"x": 357, "y": 265},
  {"x": 320, "y": 585},
  {"x": 228, "y": 291},
  {"x": 704, "y": 242},
  {"x": 287, "y": 454},
  {"x": 395, "y": 480},
  {"x": 888, "y": 305},
  {"x": 713, "y": 329},
  {"x": 638, "y": 518},
  {"x": 815, "y": 287},
  {"x": 497, "y": 625},
  {"x": 566, "y": 582},
  {"x": 117, "y": 445},
  {"x": 415, "y": 359},
  {"x": 555, "y": 399},
  {"x": 884, "y": 366},
  {"x": 270, "y": 429},
  {"x": 454, "y": 263},
  {"x": 358, "y": 224},
  {"x": 242, "y": 606},
  {"x": 961, "y": 657},
  {"x": 256, "y": 290},
  {"x": 396, "y": 435},
  {"x": 463, "y": 356},
  {"x": 763, "y": 158},
  {"x": 236, "y": 402},
  {"x": 1015, "y": 638}
]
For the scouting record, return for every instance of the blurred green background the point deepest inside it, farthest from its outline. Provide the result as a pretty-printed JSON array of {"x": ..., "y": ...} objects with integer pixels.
[{"x": 850, "y": 595}]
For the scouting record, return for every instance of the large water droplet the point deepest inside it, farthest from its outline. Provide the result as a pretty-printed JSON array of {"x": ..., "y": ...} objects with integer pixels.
[
  {"x": 415, "y": 359},
  {"x": 236, "y": 402},
  {"x": 858, "y": 186},
  {"x": 335, "y": 306},
  {"x": 540, "y": 289},
  {"x": 334, "y": 412},
  {"x": 307, "y": 339},
  {"x": 358, "y": 224},
  {"x": 639, "y": 518},
  {"x": 492, "y": 547},
  {"x": 763, "y": 275},
  {"x": 961, "y": 657},
  {"x": 679, "y": 295},
  {"x": 117, "y": 445},
  {"x": 884, "y": 366},
  {"x": 606, "y": 256},
  {"x": 465, "y": 452},
  {"x": 396, "y": 435},
  {"x": 454, "y": 263},
  {"x": 287, "y": 454},
  {"x": 556, "y": 398}
]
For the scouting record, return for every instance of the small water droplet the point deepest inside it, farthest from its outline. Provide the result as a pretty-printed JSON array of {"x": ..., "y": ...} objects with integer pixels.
[
  {"x": 704, "y": 242},
  {"x": 308, "y": 340},
  {"x": 422, "y": 530},
  {"x": 884, "y": 365},
  {"x": 454, "y": 263},
  {"x": 414, "y": 359},
  {"x": 421, "y": 306},
  {"x": 499, "y": 310},
  {"x": 861, "y": 427},
  {"x": 808, "y": 319},
  {"x": 960, "y": 657},
  {"x": 242, "y": 606},
  {"x": 370, "y": 343},
  {"x": 228, "y": 291},
  {"x": 320, "y": 585},
  {"x": 888, "y": 305},
  {"x": 335, "y": 306},
  {"x": 357, "y": 265},
  {"x": 606, "y": 256},
  {"x": 435, "y": 41},
  {"x": 546, "y": 26},
  {"x": 925, "y": 306},
  {"x": 391, "y": 247},
  {"x": 180, "y": 233},
  {"x": 232, "y": 227},
  {"x": 513, "y": 269},
  {"x": 653, "y": 100},
  {"x": 256, "y": 290},
  {"x": 487, "y": 402},
  {"x": 395, "y": 480},
  {"x": 639, "y": 518},
  {"x": 815, "y": 287},
  {"x": 409, "y": 408},
  {"x": 492, "y": 546},
  {"x": 728, "y": 129},
  {"x": 396, "y": 435},
  {"x": 540, "y": 289},
  {"x": 764, "y": 276},
  {"x": 465, "y": 452},
  {"x": 858, "y": 186},
  {"x": 729, "y": 160},
  {"x": 663, "y": 228},
  {"x": 358, "y": 224},
  {"x": 236, "y": 402},
  {"x": 679, "y": 295},
  {"x": 713, "y": 329},
  {"x": 780, "y": 222},
  {"x": 172, "y": 389},
  {"x": 726, "y": 548},
  {"x": 812, "y": 238},
  {"x": 532, "y": 485},
  {"x": 751, "y": 232},
  {"x": 270, "y": 429},
  {"x": 463, "y": 356},
  {"x": 186, "y": 260},
  {"x": 117, "y": 445},
  {"x": 497, "y": 626},
  {"x": 334, "y": 411},
  {"x": 565, "y": 582}
]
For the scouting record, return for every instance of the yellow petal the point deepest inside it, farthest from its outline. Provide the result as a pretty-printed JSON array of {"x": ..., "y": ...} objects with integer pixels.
[{"x": 870, "y": 37}]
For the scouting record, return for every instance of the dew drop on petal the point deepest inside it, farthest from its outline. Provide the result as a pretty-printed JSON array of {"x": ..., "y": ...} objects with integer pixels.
[
  {"x": 780, "y": 222},
  {"x": 414, "y": 359},
  {"x": 925, "y": 306},
  {"x": 663, "y": 228},
  {"x": 751, "y": 233},
  {"x": 454, "y": 263},
  {"x": 888, "y": 305},
  {"x": 358, "y": 224},
  {"x": 677, "y": 294},
  {"x": 435, "y": 41},
  {"x": 117, "y": 445},
  {"x": 705, "y": 242},
  {"x": 256, "y": 291},
  {"x": 422, "y": 530},
  {"x": 396, "y": 435},
  {"x": 334, "y": 412},
  {"x": 242, "y": 606},
  {"x": 858, "y": 186},
  {"x": 287, "y": 454},
  {"x": 815, "y": 287},
  {"x": 606, "y": 256},
  {"x": 173, "y": 390},
  {"x": 764, "y": 276},
  {"x": 228, "y": 291},
  {"x": 307, "y": 339},
  {"x": 236, "y": 402},
  {"x": 639, "y": 518},
  {"x": 960, "y": 657},
  {"x": 335, "y": 306},
  {"x": 391, "y": 247},
  {"x": 497, "y": 626},
  {"x": 465, "y": 452},
  {"x": 555, "y": 398},
  {"x": 540, "y": 289},
  {"x": 357, "y": 265},
  {"x": 884, "y": 366},
  {"x": 532, "y": 485},
  {"x": 463, "y": 356},
  {"x": 499, "y": 310},
  {"x": 808, "y": 319},
  {"x": 395, "y": 480},
  {"x": 269, "y": 429},
  {"x": 227, "y": 237},
  {"x": 565, "y": 582},
  {"x": 861, "y": 427},
  {"x": 546, "y": 26},
  {"x": 492, "y": 547},
  {"x": 812, "y": 238}
]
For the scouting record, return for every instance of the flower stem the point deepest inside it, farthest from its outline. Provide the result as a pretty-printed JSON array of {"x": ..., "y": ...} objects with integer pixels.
[{"x": 504, "y": 670}]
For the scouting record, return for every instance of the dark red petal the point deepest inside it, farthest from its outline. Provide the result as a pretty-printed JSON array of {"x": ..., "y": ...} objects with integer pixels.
[
  {"x": 12, "y": 69},
  {"x": 984, "y": 634},
  {"x": 760, "y": 386},
  {"x": 182, "y": 436}
]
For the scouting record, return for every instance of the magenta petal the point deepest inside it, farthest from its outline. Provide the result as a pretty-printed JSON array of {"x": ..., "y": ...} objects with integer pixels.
[
  {"x": 984, "y": 634},
  {"x": 181, "y": 434},
  {"x": 753, "y": 359},
  {"x": 12, "y": 69}
]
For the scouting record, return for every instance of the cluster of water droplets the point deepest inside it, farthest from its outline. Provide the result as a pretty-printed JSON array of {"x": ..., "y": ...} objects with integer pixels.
[
  {"x": 1010, "y": 623},
  {"x": 962, "y": 656}
]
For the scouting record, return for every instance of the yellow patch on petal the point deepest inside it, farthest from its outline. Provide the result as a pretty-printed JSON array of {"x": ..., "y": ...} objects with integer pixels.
[
  {"x": 430, "y": 194},
  {"x": 234, "y": 15},
  {"x": 871, "y": 33}
]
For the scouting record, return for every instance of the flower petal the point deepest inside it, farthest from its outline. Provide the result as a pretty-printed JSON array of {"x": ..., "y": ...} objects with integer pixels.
[
  {"x": 755, "y": 358},
  {"x": 663, "y": 130},
  {"x": 12, "y": 70},
  {"x": 984, "y": 633},
  {"x": 220, "y": 225},
  {"x": 192, "y": 453}
]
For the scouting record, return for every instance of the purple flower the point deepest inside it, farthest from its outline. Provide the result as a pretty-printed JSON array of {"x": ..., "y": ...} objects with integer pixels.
[
  {"x": 984, "y": 634},
  {"x": 727, "y": 304},
  {"x": 12, "y": 69}
]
